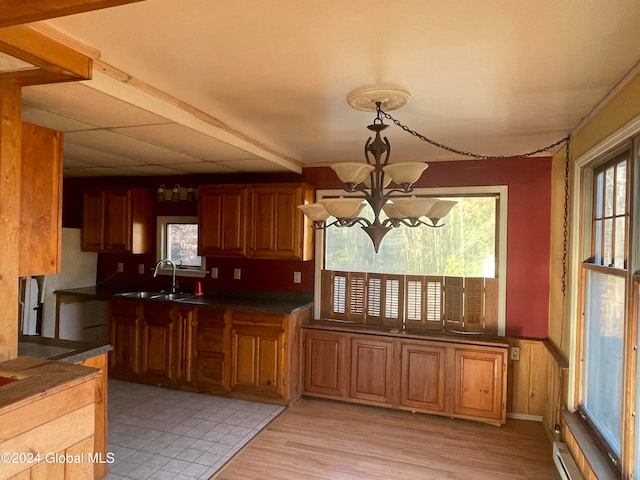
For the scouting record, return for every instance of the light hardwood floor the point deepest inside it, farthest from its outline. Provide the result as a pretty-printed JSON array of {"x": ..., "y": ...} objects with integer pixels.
[{"x": 325, "y": 440}]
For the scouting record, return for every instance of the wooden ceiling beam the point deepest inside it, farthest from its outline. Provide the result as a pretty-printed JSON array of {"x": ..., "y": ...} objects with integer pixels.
[
  {"x": 46, "y": 54},
  {"x": 15, "y": 12}
]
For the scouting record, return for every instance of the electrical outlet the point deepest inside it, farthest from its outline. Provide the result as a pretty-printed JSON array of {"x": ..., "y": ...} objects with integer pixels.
[
  {"x": 120, "y": 268},
  {"x": 141, "y": 268},
  {"x": 236, "y": 274},
  {"x": 297, "y": 277},
  {"x": 515, "y": 353},
  {"x": 214, "y": 272}
]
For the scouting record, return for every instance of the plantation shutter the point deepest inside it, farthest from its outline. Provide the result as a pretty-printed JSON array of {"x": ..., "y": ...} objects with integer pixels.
[
  {"x": 453, "y": 302},
  {"x": 415, "y": 305},
  {"x": 473, "y": 304},
  {"x": 434, "y": 306},
  {"x": 356, "y": 304},
  {"x": 491, "y": 306},
  {"x": 374, "y": 301}
]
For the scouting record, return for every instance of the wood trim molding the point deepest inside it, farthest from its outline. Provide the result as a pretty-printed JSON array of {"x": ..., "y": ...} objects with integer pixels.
[
  {"x": 54, "y": 60},
  {"x": 15, "y": 12}
]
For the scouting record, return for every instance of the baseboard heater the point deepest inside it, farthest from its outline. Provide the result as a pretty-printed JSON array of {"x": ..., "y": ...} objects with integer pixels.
[{"x": 564, "y": 462}]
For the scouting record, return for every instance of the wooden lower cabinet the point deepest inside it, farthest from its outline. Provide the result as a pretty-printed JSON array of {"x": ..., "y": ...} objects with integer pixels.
[
  {"x": 253, "y": 355},
  {"x": 158, "y": 344},
  {"x": 326, "y": 364},
  {"x": 421, "y": 375},
  {"x": 124, "y": 337},
  {"x": 372, "y": 370},
  {"x": 479, "y": 379},
  {"x": 211, "y": 351}
]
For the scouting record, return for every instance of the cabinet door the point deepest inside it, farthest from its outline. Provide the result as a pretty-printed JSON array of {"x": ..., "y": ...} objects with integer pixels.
[
  {"x": 480, "y": 383},
  {"x": 422, "y": 379},
  {"x": 92, "y": 234},
  {"x": 158, "y": 332},
  {"x": 40, "y": 201},
  {"x": 124, "y": 337},
  {"x": 117, "y": 221},
  {"x": 222, "y": 216},
  {"x": 278, "y": 228},
  {"x": 326, "y": 364},
  {"x": 256, "y": 355},
  {"x": 371, "y": 370}
]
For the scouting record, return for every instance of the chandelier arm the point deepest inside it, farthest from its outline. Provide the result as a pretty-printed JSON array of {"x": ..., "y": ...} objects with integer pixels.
[{"x": 470, "y": 154}]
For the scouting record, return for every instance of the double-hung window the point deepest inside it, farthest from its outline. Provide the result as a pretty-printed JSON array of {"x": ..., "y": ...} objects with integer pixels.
[{"x": 606, "y": 279}]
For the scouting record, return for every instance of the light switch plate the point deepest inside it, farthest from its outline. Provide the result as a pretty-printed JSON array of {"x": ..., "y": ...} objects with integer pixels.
[
  {"x": 515, "y": 353},
  {"x": 297, "y": 277},
  {"x": 214, "y": 272},
  {"x": 120, "y": 268},
  {"x": 236, "y": 274},
  {"x": 141, "y": 268}
]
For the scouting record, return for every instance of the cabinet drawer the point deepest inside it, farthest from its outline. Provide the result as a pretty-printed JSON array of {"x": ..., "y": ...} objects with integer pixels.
[
  {"x": 210, "y": 372},
  {"x": 124, "y": 308},
  {"x": 210, "y": 340},
  {"x": 258, "y": 318}
]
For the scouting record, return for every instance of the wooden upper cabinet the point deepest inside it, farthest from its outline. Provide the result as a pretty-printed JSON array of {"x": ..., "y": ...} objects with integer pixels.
[
  {"x": 256, "y": 221},
  {"x": 279, "y": 229},
  {"x": 117, "y": 220},
  {"x": 222, "y": 218},
  {"x": 40, "y": 201}
]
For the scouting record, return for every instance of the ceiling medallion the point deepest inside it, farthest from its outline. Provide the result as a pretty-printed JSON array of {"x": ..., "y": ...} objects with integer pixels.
[{"x": 367, "y": 99}]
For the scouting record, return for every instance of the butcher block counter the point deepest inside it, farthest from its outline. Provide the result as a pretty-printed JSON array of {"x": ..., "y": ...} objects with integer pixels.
[{"x": 47, "y": 411}]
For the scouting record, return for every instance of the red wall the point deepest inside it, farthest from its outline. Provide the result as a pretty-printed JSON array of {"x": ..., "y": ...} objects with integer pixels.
[
  {"x": 528, "y": 234},
  {"x": 528, "y": 227}
]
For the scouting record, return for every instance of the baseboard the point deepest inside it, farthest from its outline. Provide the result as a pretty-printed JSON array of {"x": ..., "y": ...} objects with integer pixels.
[{"x": 525, "y": 416}]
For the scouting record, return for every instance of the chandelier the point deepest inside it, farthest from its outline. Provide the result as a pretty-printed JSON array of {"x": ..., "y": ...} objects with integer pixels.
[{"x": 370, "y": 182}]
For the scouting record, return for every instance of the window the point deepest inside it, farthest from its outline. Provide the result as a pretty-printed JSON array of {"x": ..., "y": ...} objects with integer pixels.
[
  {"x": 605, "y": 282},
  {"x": 178, "y": 241},
  {"x": 421, "y": 278}
]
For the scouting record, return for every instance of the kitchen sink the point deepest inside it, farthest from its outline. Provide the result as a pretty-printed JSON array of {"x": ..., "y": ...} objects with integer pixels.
[
  {"x": 140, "y": 294},
  {"x": 172, "y": 296}
]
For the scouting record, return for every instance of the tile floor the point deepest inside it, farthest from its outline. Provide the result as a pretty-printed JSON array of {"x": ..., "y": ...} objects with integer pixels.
[{"x": 157, "y": 433}]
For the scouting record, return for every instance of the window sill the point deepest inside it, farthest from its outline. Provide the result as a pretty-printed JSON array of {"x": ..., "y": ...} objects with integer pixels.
[
  {"x": 180, "y": 272},
  {"x": 593, "y": 456}
]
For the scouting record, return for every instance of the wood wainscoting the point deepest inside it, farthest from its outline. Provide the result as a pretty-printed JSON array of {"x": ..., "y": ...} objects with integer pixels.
[{"x": 537, "y": 385}]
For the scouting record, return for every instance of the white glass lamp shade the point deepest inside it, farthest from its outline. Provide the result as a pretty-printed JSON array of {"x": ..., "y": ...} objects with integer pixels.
[
  {"x": 440, "y": 210},
  {"x": 343, "y": 207},
  {"x": 367, "y": 181},
  {"x": 315, "y": 211},
  {"x": 405, "y": 172},
  {"x": 392, "y": 211},
  {"x": 413, "y": 207},
  {"x": 352, "y": 172}
]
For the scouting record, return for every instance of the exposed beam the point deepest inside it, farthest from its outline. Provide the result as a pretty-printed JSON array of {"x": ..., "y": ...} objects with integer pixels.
[
  {"x": 10, "y": 146},
  {"x": 15, "y": 12},
  {"x": 120, "y": 85},
  {"x": 32, "y": 46}
]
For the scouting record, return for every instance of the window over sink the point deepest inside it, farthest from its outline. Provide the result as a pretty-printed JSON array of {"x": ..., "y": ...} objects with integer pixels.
[{"x": 178, "y": 241}]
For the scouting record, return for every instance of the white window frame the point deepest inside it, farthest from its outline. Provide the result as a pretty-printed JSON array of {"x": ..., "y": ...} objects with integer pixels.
[
  {"x": 161, "y": 245},
  {"x": 500, "y": 190}
]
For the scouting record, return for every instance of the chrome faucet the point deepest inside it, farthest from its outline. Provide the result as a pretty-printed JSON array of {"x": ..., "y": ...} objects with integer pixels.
[{"x": 174, "y": 285}]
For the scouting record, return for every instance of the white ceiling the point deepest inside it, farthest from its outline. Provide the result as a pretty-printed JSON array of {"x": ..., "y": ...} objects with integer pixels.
[{"x": 256, "y": 86}]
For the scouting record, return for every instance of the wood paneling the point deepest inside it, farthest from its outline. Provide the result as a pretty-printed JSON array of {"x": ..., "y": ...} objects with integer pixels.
[{"x": 320, "y": 440}]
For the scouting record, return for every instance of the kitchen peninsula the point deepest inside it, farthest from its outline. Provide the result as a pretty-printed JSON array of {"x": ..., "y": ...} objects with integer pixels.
[{"x": 242, "y": 344}]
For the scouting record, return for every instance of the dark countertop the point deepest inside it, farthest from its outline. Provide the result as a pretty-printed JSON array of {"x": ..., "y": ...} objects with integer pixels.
[
  {"x": 445, "y": 336},
  {"x": 270, "y": 302},
  {"x": 66, "y": 351}
]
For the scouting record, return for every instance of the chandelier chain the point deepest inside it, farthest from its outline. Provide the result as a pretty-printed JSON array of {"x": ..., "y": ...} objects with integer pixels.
[
  {"x": 469, "y": 154},
  {"x": 565, "y": 225}
]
